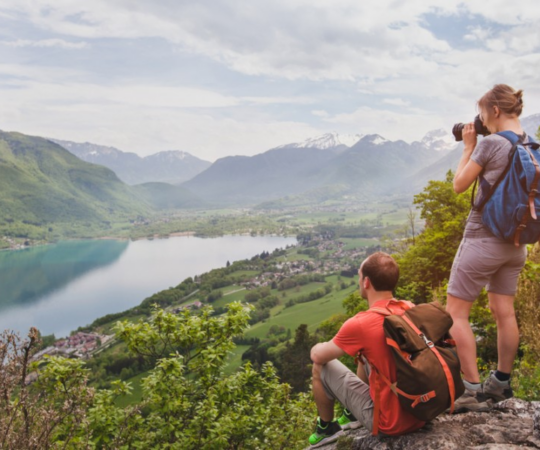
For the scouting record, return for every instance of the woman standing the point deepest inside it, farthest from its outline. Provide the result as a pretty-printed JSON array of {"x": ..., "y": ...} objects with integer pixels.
[{"x": 484, "y": 260}]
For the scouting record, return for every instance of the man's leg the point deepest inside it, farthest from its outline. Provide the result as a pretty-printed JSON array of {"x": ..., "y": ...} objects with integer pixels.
[
  {"x": 362, "y": 371},
  {"x": 463, "y": 335},
  {"x": 339, "y": 383},
  {"x": 325, "y": 405}
]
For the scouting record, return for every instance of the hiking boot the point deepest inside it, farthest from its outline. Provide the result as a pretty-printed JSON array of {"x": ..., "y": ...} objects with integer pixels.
[
  {"x": 347, "y": 421},
  {"x": 325, "y": 435},
  {"x": 474, "y": 401},
  {"x": 497, "y": 390}
]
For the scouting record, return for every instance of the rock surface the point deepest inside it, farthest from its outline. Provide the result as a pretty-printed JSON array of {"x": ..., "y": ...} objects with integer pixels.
[{"x": 513, "y": 423}]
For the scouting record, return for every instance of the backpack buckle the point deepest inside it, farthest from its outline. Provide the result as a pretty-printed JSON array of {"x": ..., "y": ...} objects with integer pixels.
[
  {"x": 427, "y": 341},
  {"x": 521, "y": 226}
]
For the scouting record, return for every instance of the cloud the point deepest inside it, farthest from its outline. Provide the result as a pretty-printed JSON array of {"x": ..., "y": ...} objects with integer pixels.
[
  {"x": 340, "y": 40},
  {"x": 375, "y": 61},
  {"x": 278, "y": 100},
  {"x": 396, "y": 102},
  {"x": 389, "y": 124},
  {"x": 320, "y": 113},
  {"x": 45, "y": 43},
  {"x": 144, "y": 118}
]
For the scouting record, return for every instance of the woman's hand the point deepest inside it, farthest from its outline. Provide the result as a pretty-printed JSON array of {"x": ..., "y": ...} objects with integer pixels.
[{"x": 469, "y": 138}]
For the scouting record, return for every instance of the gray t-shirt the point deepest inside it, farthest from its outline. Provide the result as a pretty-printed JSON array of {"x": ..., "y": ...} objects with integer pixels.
[{"x": 492, "y": 154}]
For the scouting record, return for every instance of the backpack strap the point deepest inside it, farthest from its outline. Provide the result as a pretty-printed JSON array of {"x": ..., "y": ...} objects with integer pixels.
[
  {"x": 386, "y": 311},
  {"x": 515, "y": 140},
  {"x": 417, "y": 398},
  {"x": 446, "y": 369}
]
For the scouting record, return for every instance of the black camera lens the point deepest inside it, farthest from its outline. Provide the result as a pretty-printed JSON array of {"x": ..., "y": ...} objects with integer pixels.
[{"x": 479, "y": 127}]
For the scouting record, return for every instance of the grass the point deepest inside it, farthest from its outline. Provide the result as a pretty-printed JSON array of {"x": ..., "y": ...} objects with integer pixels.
[
  {"x": 244, "y": 273},
  {"x": 235, "y": 359},
  {"x": 293, "y": 256},
  {"x": 108, "y": 328},
  {"x": 228, "y": 289},
  {"x": 310, "y": 313},
  {"x": 352, "y": 243},
  {"x": 395, "y": 218},
  {"x": 226, "y": 299},
  {"x": 136, "y": 394}
]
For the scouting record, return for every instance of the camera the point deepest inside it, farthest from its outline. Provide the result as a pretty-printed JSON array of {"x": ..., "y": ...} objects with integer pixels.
[{"x": 479, "y": 127}]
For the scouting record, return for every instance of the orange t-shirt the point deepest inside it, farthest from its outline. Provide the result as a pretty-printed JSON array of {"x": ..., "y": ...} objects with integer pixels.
[{"x": 364, "y": 333}]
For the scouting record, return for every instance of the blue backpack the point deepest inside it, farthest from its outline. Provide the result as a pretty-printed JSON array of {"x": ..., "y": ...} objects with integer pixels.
[{"x": 510, "y": 208}]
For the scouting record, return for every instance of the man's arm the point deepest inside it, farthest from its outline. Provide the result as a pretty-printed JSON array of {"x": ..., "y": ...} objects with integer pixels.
[{"x": 325, "y": 352}]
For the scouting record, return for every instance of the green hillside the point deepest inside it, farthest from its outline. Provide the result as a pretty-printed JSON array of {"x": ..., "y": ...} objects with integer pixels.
[{"x": 42, "y": 183}]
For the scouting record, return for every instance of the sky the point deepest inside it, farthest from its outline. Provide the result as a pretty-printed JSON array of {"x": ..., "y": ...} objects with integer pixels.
[{"x": 228, "y": 77}]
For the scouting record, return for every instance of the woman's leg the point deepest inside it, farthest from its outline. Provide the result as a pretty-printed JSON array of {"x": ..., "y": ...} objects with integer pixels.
[
  {"x": 502, "y": 308},
  {"x": 462, "y": 333}
]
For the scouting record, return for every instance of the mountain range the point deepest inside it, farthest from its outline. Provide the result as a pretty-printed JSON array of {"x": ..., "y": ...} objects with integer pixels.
[
  {"x": 44, "y": 182},
  {"x": 328, "y": 167},
  {"x": 41, "y": 183},
  {"x": 172, "y": 166},
  {"x": 324, "y": 167}
]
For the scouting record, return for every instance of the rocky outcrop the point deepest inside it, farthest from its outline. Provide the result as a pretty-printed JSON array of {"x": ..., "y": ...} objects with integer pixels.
[{"x": 511, "y": 424}]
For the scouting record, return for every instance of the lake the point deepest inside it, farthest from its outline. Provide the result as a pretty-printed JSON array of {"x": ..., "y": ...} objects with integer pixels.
[{"x": 59, "y": 287}]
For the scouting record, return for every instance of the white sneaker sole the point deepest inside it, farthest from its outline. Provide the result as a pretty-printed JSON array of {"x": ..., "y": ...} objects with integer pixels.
[
  {"x": 328, "y": 440},
  {"x": 352, "y": 425}
]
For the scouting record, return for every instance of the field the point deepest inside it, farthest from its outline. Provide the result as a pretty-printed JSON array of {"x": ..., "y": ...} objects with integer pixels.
[
  {"x": 310, "y": 313},
  {"x": 136, "y": 393},
  {"x": 352, "y": 243}
]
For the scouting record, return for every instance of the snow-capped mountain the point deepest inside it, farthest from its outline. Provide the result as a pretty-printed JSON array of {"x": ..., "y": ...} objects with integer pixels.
[
  {"x": 326, "y": 141},
  {"x": 170, "y": 156},
  {"x": 172, "y": 166},
  {"x": 373, "y": 139},
  {"x": 439, "y": 140}
]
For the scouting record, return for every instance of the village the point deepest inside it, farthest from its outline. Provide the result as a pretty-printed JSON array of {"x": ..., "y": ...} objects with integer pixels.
[
  {"x": 331, "y": 258},
  {"x": 78, "y": 345}
]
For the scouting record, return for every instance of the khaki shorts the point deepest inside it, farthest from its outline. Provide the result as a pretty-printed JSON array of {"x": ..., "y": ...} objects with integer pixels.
[
  {"x": 344, "y": 386},
  {"x": 489, "y": 262}
]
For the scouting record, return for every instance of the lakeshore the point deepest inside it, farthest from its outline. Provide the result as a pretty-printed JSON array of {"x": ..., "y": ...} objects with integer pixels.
[{"x": 59, "y": 287}]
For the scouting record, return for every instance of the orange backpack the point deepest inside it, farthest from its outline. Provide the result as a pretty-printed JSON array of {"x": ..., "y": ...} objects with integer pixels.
[{"x": 428, "y": 379}]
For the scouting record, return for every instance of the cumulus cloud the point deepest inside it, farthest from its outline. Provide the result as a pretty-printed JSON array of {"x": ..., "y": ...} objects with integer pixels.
[
  {"x": 46, "y": 43},
  {"x": 396, "y": 102},
  {"x": 405, "y": 78},
  {"x": 320, "y": 113},
  {"x": 144, "y": 118},
  {"x": 389, "y": 124},
  {"x": 314, "y": 40}
]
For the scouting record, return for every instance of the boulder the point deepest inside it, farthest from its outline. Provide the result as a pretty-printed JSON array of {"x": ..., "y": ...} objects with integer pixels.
[{"x": 513, "y": 423}]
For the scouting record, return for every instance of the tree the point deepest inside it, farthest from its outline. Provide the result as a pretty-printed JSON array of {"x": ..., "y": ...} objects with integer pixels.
[
  {"x": 187, "y": 401},
  {"x": 426, "y": 264},
  {"x": 52, "y": 408},
  {"x": 295, "y": 361},
  {"x": 411, "y": 216}
]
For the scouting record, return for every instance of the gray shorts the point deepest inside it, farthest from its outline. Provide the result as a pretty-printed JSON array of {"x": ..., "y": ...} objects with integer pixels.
[
  {"x": 344, "y": 386},
  {"x": 489, "y": 262}
]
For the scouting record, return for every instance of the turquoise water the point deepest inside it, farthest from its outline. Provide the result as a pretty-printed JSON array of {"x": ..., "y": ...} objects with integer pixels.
[{"x": 60, "y": 287}]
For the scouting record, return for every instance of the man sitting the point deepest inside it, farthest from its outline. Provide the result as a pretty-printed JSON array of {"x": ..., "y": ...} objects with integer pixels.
[{"x": 362, "y": 334}]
